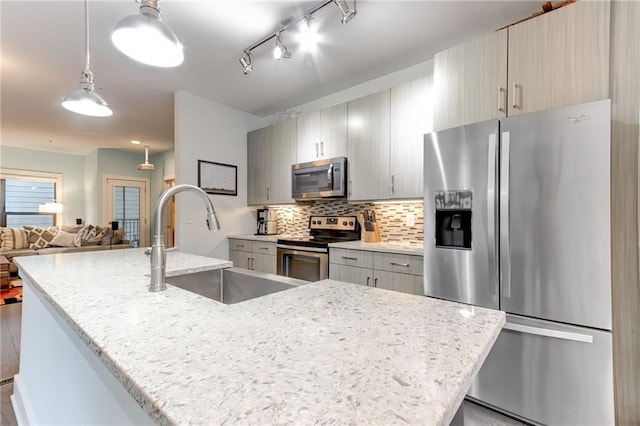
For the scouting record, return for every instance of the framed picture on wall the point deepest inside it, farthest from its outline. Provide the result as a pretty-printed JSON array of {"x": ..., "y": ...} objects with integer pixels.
[{"x": 218, "y": 178}]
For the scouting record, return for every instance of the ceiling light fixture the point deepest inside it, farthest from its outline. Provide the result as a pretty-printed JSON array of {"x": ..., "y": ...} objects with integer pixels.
[
  {"x": 347, "y": 12},
  {"x": 84, "y": 100},
  {"x": 146, "y": 166},
  {"x": 280, "y": 51},
  {"x": 135, "y": 142},
  {"x": 308, "y": 36},
  {"x": 145, "y": 38},
  {"x": 245, "y": 61}
]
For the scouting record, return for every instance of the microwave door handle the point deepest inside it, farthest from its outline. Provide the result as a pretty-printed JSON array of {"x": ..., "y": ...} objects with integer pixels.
[{"x": 330, "y": 176}]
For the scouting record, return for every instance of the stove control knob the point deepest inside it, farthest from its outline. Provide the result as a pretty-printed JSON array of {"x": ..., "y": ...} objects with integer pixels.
[
  {"x": 350, "y": 223},
  {"x": 344, "y": 223}
]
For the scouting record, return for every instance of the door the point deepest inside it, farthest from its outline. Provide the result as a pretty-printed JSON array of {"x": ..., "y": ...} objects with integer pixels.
[
  {"x": 351, "y": 274},
  {"x": 555, "y": 215},
  {"x": 333, "y": 132},
  {"x": 127, "y": 203},
  {"x": 279, "y": 154},
  {"x": 550, "y": 373},
  {"x": 463, "y": 159},
  {"x": 170, "y": 215}
]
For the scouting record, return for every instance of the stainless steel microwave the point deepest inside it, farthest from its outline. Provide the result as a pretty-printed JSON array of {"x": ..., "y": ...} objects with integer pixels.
[{"x": 319, "y": 179}]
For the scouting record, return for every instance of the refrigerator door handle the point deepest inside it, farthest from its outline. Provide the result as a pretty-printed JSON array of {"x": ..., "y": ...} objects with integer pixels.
[
  {"x": 547, "y": 332},
  {"x": 491, "y": 212},
  {"x": 505, "y": 257}
]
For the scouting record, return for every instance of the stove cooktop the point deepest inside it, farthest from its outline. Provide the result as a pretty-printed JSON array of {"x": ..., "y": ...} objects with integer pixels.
[{"x": 325, "y": 230}]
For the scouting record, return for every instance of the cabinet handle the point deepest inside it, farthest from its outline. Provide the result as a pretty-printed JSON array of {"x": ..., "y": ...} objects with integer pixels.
[
  {"x": 500, "y": 98},
  {"x": 268, "y": 189},
  {"x": 375, "y": 282},
  {"x": 406, "y": 265},
  {"x": 240, "y": 245},
  {"x": 368, "y": 278},
  {"x": 252, "y": 259},
  {"x": 514, "y": 96},
  {"x": 263, "y": 248},
  {"x": 349, "y": 258},
  {"x": 393, "y": 184},
  {"x": 317, "y": 150},
  {"x": 321, "y": 149},
  {"x": 248, "y": 263},
  {"x": 350, "y": 185}
]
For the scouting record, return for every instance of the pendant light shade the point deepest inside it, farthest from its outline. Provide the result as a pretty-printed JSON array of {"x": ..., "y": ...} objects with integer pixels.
[
  {"x": 84, "y": 100},
  {"x": 145, "y": 38}
]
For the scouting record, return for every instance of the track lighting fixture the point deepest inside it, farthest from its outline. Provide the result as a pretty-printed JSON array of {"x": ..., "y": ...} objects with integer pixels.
[
  {"x": 347, "y": 12},
  {"x": 85, "y": 100},
  {"x": 145, "y": 38},
  {"x": 245, "y": 61},
  {"x": 280, "y": 51},
  {"x": 308, "y": 36}
]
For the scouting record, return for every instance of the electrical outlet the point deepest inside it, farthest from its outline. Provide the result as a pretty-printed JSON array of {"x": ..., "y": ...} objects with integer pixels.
[
  {"x": 188, "y": 221},
  {"x": 410, "y": 220}
]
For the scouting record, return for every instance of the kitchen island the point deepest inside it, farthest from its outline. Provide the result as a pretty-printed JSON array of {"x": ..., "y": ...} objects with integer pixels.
[{"x": 97, "y": 347}]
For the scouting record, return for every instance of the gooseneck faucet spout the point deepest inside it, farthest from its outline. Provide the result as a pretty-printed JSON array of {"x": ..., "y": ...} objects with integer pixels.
[{"x": 157, "y": 251}]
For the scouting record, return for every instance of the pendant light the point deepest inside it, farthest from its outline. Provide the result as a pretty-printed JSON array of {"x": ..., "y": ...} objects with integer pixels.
[
  {"x": 84, "y": 100},
  {"x": 145, "y": 38}
]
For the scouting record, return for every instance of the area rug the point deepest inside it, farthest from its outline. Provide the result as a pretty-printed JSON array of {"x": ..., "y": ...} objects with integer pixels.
[{"x": 14, "y": 295}]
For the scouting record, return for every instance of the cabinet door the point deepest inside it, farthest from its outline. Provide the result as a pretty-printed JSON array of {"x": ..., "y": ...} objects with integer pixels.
[
  {"x": 560, "y": 58},
  {"x": 280, "y": 154},
  {"x": 411, "y": 118},
  {"x": 470, "y": 82},
  {"x": 256, "y": 168},
  {"x": 264, "y": 263},
  {"x": 333, "y": 132},
  {"x": 350, "y": 274},
  {"x": 368, "y": 146},
  {"x": 240, "y": 259},
  {"x": 398, "y": 282},
  {"x": 308, "y": 143}
]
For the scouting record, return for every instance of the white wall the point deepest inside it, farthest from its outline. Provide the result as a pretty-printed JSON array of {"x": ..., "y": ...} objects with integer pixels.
[{"x": 206, "y": 130}]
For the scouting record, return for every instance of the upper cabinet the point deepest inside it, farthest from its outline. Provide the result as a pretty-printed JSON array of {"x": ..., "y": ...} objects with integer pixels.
[
  {"x": 557, "y": 59},
  {"x": 470, "y": 82},
  {"x": 368, "y": 147},
  {"x": 411, "y": 119},
  {"x": 322, "y": 134},
  {"x": 270, "y": 154},
  {"x": 560, "y": 58}
]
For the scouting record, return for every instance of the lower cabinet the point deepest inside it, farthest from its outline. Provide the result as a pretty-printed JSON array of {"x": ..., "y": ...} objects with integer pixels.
[
  {"x": 396, "y": 272},
  {"x": 254, "y": 255}
]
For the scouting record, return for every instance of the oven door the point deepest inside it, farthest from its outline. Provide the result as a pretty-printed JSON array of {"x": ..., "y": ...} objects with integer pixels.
[{"x": 303, "y": 263}]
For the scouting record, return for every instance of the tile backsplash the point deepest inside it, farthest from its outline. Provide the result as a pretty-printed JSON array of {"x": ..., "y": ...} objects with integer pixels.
[{"x": 393, "y": 219}]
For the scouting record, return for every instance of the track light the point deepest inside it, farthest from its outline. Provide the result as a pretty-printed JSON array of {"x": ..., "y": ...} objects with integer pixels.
[
  {"x": 245, "y": 61},
  {"x": 85, "y": 100},
  {"x": 280, "y": 51},
  {"x": 145, "y": 38},
  {"x": 347, "y": 13},
  {"x": 307, "y": 27}
]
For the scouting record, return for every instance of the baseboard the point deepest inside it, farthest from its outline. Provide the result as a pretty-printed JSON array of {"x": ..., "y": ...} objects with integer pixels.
[{"x": 20, "y": 403}]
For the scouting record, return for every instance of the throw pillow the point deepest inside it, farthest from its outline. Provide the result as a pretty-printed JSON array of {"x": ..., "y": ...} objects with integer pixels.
[
  {"x": 13, "y": 238},
  {"x": 86, "y": 233},
  {"x": 117, "y": 236},
  {"x": 72, "y": 229},
  {"x": 63, "y": 239},
  {"x": 39, "y": 238}
]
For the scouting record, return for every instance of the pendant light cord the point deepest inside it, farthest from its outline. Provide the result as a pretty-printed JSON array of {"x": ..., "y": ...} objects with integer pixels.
[{"x": 86, "y": 34}]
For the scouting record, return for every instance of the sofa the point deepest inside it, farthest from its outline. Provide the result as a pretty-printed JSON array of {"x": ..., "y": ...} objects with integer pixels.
[{"x": 31, "y": 240}]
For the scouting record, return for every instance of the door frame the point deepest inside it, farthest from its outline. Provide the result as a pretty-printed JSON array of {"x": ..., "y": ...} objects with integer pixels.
[
  {"x": 145, "y": 211},
  {"x": 169, "y": 212}
]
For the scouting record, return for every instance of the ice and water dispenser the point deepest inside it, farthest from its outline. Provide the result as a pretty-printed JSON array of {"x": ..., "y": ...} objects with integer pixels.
[{"x": 453, "y": 219}]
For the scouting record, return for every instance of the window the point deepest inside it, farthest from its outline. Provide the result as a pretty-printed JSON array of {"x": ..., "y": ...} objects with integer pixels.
[{"x": 23, "y": 196}]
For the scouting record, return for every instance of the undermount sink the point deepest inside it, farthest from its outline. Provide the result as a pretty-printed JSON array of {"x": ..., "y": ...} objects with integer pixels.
[{"x": 233, "y": 285}]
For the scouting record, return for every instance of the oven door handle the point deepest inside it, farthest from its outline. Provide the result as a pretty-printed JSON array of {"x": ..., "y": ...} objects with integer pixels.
[{"x": 302, "y": 248}]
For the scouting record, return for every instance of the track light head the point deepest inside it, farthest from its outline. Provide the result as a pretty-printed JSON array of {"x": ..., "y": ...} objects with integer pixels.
[
  {"x": 347, "y": 12},
  {"x": 280, "y": 51},
  {"x": 245, "y": 61}
]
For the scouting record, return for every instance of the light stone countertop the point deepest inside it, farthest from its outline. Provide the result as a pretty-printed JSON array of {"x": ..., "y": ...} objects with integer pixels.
[
  {"x": 252, "y": 237},
  {"x": 326, "y": 352},
  {"x": 398, "y": 247}
]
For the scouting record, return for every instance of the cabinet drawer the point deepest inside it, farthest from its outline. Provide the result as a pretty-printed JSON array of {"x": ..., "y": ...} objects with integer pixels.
[
  {"x": 404, "y": 263},
  {"x": 262, "y": 247},
  {"x": 359, "y": 258},
  {"x": 240, "y": 245}
]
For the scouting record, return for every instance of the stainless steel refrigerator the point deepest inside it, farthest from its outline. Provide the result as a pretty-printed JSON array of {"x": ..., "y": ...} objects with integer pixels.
[{"x": 517, "y": 218}]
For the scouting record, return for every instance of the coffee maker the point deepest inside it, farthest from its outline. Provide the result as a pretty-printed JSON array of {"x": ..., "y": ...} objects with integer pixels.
[{"x": 267, "y": 222}]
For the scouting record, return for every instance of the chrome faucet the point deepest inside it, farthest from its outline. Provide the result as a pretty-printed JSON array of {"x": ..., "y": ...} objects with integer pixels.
[{"x": 157, "y": 252}]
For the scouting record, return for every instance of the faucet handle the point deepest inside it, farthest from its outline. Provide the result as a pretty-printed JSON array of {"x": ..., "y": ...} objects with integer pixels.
[{"x": 148, "y": 251}]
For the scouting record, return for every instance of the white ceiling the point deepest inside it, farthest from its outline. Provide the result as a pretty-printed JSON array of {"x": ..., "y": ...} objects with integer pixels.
[{"x": 43, "y": 55}]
